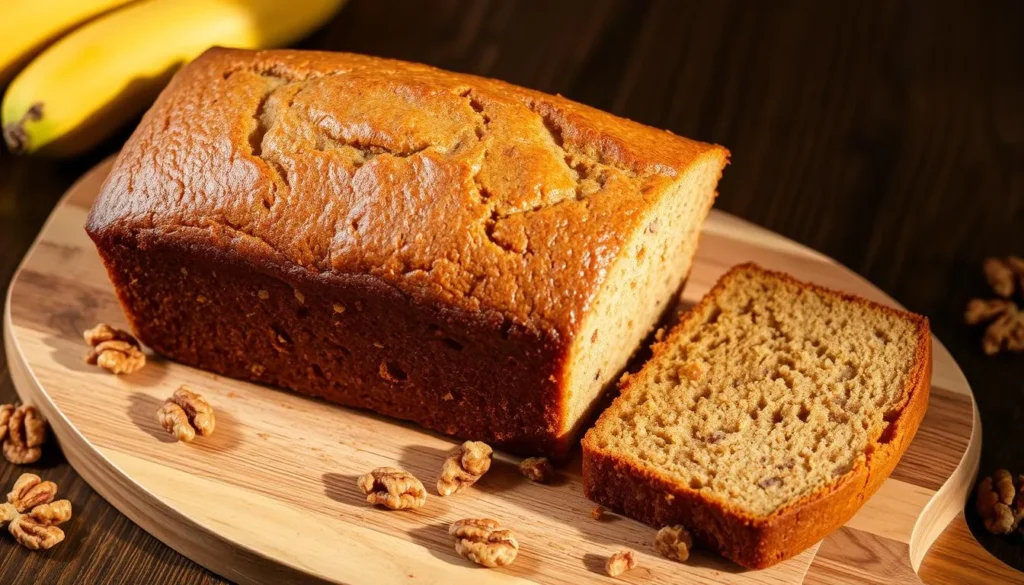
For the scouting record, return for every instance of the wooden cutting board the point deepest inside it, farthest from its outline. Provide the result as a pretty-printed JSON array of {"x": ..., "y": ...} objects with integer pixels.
[{"x": 271, "y": 497}]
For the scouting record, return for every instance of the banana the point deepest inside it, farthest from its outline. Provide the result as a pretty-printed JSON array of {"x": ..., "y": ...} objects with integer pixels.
[
  {"x": 82, "y": 88},
  {"x": 28, "y": 25}
]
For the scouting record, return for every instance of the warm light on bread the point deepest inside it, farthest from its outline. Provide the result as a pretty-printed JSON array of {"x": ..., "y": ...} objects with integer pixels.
[{"x": 477, "y": 257}]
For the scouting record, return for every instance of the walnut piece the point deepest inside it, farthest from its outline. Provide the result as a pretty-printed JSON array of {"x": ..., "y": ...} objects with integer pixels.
[
  {"x": 31, "y": 514},
  {"x": 537, "y": 469},
  {"x": 619, "y": 563},
  {"x": 1006, "y": 330},
  {"x": 597, "y": 512},
  {"x": 174, "y": 420},
  {"x": 484, "y": 542},
  {"x": 994, "y": 499},
  {"x": 185, "y": 414},
  {"x": 114, "y": 350},
  {"x": 1005, "y": 333},
  {"x": 464, "y": 466},
  {"x": 674, "y": 542},
  {"x": 999, "y": 275},
  {"x": 392, "y": 488},
  {"x": 982, "y": 311},
  {"x": 23, "y": 431}
]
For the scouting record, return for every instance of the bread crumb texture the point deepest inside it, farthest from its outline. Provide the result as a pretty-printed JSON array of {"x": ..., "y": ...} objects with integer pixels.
[{"x": 797, "y": 386}]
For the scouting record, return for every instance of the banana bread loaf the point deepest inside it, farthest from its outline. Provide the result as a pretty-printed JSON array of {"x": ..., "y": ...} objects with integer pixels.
[
  {"x": 476, "y": 257},
  {"x": 766, "y": 418}
]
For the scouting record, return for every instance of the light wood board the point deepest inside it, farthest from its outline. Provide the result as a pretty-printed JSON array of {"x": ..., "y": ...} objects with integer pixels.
[{"x": 271, "y": 496}]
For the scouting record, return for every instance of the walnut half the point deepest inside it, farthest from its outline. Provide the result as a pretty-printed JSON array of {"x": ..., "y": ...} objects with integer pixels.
[
  {"x": 484, "y": 542},
  {"x": 674, "y": 542},
  {"x": 994, "y": 500},
  {"x": 392, "y": 488},
  {"x": 113, "y": 349},
  {"x": 32, "y": 515},
  {"x": 23, "y": 432},
  {"x": 464, "y": 466},
  {"x": 185, "y": 414}
]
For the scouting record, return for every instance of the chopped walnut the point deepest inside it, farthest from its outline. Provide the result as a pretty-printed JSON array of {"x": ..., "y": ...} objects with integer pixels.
[
  {"x": 186, "y": 414},
  {"x": 32, "y": 515},
  {"x": 114, "y": 350},
  {"x": 619, "y": 563},
  {"x": 597, "y": 512},
  {"x": 392, "y": 488},
  {"x": 464, "y": 466},
  {"x": 674, "y": 542},
  {"x": 23, "y": 432},
  {"x": 484, "y": 542},
  {"x": 999, "y": 275},
  {"x": 537, "y": 469},
  {"x": 994, "y": 498}
]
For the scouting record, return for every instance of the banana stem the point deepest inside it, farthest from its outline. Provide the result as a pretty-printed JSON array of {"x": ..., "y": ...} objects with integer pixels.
[{"x": 15, "y": 136}]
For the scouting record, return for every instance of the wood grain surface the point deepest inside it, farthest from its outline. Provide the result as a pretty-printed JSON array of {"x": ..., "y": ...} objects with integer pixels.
[
  {"x": 271, "y": 497},
  {"x": 886, "y": 134}
]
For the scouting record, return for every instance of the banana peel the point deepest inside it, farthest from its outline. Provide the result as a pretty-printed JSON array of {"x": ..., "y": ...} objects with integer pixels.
[
  {"x": 81, "y": 89},
  {"x": 29, "y": 25}
]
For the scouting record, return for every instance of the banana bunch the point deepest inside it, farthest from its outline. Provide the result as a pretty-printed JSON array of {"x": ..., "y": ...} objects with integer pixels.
[
  {"x": 29, "y": 25},
  {"x": 86, "y": 84}
]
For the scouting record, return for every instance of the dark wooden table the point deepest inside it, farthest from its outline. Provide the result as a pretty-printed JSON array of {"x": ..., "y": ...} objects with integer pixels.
[{"x": 888, "y": 135}]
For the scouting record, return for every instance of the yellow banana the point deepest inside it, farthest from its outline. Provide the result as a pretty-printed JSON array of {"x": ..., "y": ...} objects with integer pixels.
[
  {"x": 26, "y": 26},
  {"x": 82, "y": 88}
]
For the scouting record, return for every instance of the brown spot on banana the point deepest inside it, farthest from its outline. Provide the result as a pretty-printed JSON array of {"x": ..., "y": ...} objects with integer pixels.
[{"x": 15, "y": 136}]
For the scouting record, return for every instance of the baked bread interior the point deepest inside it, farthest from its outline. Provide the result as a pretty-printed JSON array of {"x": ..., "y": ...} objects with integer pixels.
[{"x": 765, "y": 418}]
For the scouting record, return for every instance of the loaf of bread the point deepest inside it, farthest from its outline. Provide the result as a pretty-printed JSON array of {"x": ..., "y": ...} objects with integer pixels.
[
  {"x": 476, "y": 257},
  {"x": 766, "y": 417}
]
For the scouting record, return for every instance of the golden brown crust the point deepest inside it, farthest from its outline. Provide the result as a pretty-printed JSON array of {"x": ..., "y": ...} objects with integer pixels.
[
  {"x": 476, "y": 178},
  {"x": 474, "y": 221},
  {"x": 757, "y": 542}
]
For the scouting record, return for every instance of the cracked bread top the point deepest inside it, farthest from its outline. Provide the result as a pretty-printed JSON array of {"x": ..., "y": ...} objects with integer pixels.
[{"x": 458, "y": 190}]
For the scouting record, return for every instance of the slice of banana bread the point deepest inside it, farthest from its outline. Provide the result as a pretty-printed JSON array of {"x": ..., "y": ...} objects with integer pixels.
[{"x": 766, "y": 418}]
